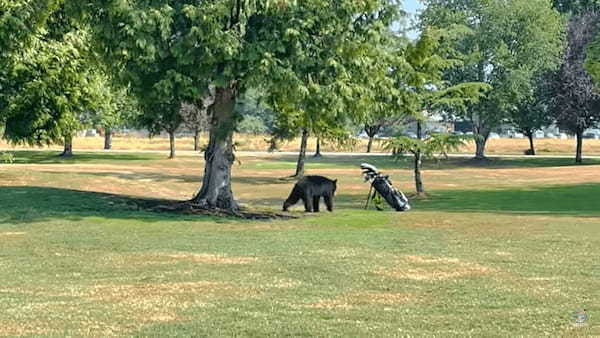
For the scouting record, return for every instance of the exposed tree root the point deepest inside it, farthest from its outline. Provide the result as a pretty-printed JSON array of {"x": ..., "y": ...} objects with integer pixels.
[{"x": 190, "y": 208}]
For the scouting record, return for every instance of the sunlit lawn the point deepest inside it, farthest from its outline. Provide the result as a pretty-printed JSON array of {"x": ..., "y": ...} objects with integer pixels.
[{"x": 504, "y": 248}]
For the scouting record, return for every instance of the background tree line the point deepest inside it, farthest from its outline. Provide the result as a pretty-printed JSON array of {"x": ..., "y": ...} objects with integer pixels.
[{"x": 291, "y": 68}]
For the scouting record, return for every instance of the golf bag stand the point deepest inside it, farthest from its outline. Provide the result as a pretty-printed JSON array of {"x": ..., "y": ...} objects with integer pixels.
[{"x": 383, "y": 186}]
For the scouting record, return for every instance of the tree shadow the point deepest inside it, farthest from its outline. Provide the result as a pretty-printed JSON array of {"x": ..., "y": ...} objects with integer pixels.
[
  {"x": 342, "y": 201},
  {"x": 51, "y": 157},
  {"x": 39, "y": 204},
  {"x": 568, "y": 200},
  {"x": 163, "y": 177}
]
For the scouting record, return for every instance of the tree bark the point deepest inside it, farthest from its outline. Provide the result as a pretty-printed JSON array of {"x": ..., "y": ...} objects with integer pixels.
[
  {"x": 172, "y": 144},
  {"x": 318, "y": 150},
  {"x": 68, "y": 148},
  {"x": 197, "y": 140},
  {"x": 302, "y": 155},
  {"x": 579, "y": 150},
  {"x": 481, "y": 138},
  {"x": 107, "y": 139},
  {"x": 481, "y": 133},
  {"x": 371, "y": 132},
  {"x": 531, "y": 145},
  {"x": 418, "y": 180},
  {"x": 418, "y": 163},
  {"x": 216, "y": 184}
]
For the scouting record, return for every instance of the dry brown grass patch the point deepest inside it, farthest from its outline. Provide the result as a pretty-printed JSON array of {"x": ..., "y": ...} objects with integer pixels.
[
  {"x": 131, "y": 306},
  {"x": 19, "y": 329},
  {"x": 138, "y": 293},
  {"x": 211, "y": 259},
  {"x": 164, "y": 302},
  {"x": 173, "y": 258},
  {"x": 427, "y": 268},
  {"x": 284, "y": 284},
  {"x": 12, "y": 234}
]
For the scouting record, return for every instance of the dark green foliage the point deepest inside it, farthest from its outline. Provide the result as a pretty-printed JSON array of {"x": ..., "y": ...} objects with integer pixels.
[
  {"x": 575, "y": 99},
  {"x": 252, "y": 125},
  {"x": 257, "y": 117},
  {"x": 592, "y": 59},
  {"x": 534, "y": 113},
  {"x": 431, "y": 147},
  {"x": 506, "y": 45},
  {"x": 52, "y": 90},
  {"x": 50, "y": 84},
  {"x": 576, "y": 6},
  {"x": 320, "y": 62},
  {"x": 20, "y": 21}
]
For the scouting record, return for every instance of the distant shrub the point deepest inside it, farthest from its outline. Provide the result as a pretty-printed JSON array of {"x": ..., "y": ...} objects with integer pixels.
[{"x": 252, "y": 125}]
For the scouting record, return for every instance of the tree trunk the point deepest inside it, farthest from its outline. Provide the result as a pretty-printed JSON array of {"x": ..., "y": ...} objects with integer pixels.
[
  {"x": 418, "y": 180},
  {"x": 371, "y": 132},
  {"x": 107, "y": 139},
  {"x": 216, "y": 184},
  {"x": 68, "y": 149},
  {"x": 272, "y": 145},
  {"x": 370, "y": 145},
  {"x": 418, "y": 162},
  {"x": 197, "y": 140},
  {"x": 318, "y": 150},
  {"x": 579, "y": 151},
  {"x": 481, "y": 133},
  {"x": 302, "y": 155},
  {"x": 531, "y": 145},
  {"x": 172, "y": 144},
  {"x": 481, "y": 138}
]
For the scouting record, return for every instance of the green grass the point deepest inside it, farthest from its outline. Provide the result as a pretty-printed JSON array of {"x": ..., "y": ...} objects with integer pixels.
[
  {"x": 574, "y": 200},
  {"x": 387, "y": 162},
  {"x": 481, "y": 259}
]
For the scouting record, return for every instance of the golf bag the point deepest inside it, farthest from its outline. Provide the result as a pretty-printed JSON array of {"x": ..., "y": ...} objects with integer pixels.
[{"x": 383, "y": 186}]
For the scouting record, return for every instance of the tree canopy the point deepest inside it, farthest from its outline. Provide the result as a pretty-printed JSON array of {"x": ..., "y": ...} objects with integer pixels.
[
  {"x": 171, "y": 52},
  {"x": 52, "y": 87},
  {"x": 507, "y": 45},
  {"x": 575, "y": 100}
]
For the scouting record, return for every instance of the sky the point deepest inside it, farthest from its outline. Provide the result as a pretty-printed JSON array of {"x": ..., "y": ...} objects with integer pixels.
[{"x": 412, "y": 6}]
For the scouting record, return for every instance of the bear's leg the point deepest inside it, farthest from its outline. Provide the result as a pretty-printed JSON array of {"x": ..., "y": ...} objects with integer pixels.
[
  {"x": 316, "y": 203},
  {"x": 308, "y": 203},
  {"x": 328, "y": 202}
]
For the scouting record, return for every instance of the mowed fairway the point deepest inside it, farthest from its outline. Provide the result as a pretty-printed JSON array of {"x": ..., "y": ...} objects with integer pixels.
[{"x": 509, "y": 247}]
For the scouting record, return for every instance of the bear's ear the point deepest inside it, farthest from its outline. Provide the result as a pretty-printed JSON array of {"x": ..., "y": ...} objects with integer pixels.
[{"x": 335, "y": 181}]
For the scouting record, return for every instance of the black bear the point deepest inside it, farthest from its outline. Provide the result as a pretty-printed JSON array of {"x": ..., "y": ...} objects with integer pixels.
[{"x": 310, "y": 189}]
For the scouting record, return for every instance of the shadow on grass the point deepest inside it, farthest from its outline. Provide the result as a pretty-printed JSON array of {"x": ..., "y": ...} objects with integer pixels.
[
  {"x": 341, "y": 201},
  {"x": 37, "y": 204},
  {"x": 387, "y": 162},
  {"x": 568, "y": 200},
  {"x": 163, "y": 177},
  {"x": 51, "y": 157}
]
